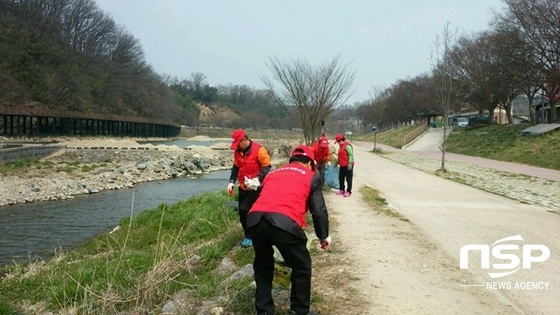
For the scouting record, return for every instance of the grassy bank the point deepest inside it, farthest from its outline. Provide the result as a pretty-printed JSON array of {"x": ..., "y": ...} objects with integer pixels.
[
  {"x": 139, "y": 267},
  {"x": 393, "y": 137},
  {"x": 173, "y": 252},
  {"x": 505, "y": 143},
  {"x": 497, "y": 142}
]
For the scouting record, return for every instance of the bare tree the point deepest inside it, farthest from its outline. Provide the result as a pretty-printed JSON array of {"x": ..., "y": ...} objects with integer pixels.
[
  {"x": 126, "y": 50},
  {"x": 315, "y": 91},
  {"x": 443, "y": 71},
  {"x": 370, "y": 112},
  {"x": 520, "y": 63},
  {"x": 538, "y": 22},
  {"x": 472, "y": 60},
  {"x": 198, "y": 79}
]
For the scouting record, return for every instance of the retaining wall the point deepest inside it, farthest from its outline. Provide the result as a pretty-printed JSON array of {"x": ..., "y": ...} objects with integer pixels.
[{"x": 28, "y": 152}]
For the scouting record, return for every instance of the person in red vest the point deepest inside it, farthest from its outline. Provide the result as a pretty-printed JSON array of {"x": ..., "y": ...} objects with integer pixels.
[
  {"x": 322, "y": 154},
  {"x": 277, "y": 218},
  {"x": 346, "y": 163},
  {"x": 251, "y": 163}
]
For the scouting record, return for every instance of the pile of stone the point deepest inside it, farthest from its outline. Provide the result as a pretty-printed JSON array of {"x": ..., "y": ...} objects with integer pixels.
[
  {"x": 96, "y": 170},
  {"x": 86, "y": 167}
]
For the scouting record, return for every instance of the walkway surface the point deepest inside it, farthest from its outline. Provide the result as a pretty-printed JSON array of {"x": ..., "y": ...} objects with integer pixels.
[
  {"x": 428, "y": 146},
  {"x": 409, "y": 268}
]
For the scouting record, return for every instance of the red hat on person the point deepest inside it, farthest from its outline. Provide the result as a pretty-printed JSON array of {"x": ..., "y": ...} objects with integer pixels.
[
  {"x": 323, "y": 142},
  {"x": 338, "y": 138},
  {"x": 236, "y": 137},
  {"x": 303, "y": 150}
]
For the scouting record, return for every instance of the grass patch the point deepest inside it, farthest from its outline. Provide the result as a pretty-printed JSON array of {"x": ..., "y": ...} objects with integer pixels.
[
  {"x": 505, "y": 143},
  {"x": 393, "y": 137},
  {"x": 16, "y": 166},
  {"x": 332, "y": 292},
  {"x": 373, "y": 198},
  {"x": 152, "y": 256},
  {"x": 168, "y": 251},
  {"x": 25, "y": 167}
]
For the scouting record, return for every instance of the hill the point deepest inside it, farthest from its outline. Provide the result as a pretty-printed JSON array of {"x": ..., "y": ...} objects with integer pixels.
[{"x": 71, "y": 56}]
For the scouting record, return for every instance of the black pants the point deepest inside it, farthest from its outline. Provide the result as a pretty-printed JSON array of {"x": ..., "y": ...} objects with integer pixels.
[
  {"x": 246, "y": 200},
  {"x": 321, "y": 171},
  {"x": 345, "y": 174},
  {"x": 296, "y": 256}
]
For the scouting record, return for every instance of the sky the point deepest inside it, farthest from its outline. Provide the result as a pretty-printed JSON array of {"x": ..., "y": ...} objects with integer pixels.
[{"x": 232, "y": 42}]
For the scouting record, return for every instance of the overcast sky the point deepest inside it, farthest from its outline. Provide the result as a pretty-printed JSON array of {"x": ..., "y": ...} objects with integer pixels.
[{"x": 231, "y": 41}]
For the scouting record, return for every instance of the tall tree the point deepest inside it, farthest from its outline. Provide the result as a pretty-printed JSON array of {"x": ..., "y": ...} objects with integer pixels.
[
  {"x": 538, "y": 22},
  {"x": 315, "y": 91}
]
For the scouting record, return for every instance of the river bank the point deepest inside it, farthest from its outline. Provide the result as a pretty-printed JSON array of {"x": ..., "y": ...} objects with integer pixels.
[{"x": 87, "y": 166}]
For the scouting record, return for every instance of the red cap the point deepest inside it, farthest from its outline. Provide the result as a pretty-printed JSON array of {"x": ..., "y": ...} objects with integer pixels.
[
  {"x": 236, "y": 137},
  {"x": 323, "y": 142},
  {"x": 303, "y": 150},
  {"x": 338, "y": 138}
]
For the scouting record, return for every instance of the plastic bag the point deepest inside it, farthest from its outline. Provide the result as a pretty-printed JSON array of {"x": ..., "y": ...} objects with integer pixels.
[
  {"x": 283, "y": 273},
  {"x": 331, "y": 177}
]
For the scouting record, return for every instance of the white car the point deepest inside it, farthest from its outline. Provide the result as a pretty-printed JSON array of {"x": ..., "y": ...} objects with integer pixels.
[{"x": 462, "y": 122}]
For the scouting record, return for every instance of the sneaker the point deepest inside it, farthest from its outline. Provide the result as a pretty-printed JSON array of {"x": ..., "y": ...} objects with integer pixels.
[
  {"x": 347, "y": 194},
  {"x": 340, "y": 193},
  {"x": 247, "y": 242}
]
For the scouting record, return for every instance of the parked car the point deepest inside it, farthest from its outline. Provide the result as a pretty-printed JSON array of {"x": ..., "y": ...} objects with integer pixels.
[
  {"x": 483, "y": 119},
  {"x": 462, "y": 122}
]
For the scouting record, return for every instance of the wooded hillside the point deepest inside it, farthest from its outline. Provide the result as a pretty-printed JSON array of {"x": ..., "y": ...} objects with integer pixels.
[{"x": 69, "y": 55}]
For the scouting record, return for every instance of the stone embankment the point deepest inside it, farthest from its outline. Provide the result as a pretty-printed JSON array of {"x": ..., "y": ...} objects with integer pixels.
[{"x": 86, "y": 167}]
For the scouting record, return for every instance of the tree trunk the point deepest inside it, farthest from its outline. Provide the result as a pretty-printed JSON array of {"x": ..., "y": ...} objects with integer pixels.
[{"x": 442, "y": 148}]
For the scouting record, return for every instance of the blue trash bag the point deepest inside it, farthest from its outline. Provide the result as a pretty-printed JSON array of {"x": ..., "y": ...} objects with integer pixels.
[{"x": 331, "y": 177}]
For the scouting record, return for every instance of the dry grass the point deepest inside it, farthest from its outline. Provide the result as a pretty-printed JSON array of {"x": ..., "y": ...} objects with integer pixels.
[{"x": 331, "y": 283}]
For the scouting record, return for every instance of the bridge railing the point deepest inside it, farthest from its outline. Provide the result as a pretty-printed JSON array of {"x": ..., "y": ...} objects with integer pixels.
[{"x": 32, "y": 111}]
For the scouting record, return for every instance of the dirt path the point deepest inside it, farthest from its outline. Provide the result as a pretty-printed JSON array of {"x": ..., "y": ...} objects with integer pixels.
[
  {"x": 413, "y": 267},
  {"x": 399, "y": 269}
]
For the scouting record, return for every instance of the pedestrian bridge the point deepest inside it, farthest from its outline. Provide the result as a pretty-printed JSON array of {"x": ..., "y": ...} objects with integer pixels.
[{"x": 16, "y": 121}]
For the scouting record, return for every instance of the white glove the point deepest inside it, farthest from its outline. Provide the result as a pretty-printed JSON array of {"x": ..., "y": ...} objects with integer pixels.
[
  {"x": 230, "y": 189},
  {"x": 247, "y": 182},
  {"x": 252, "y": 184},
  {"x": 326, "y": 243}
]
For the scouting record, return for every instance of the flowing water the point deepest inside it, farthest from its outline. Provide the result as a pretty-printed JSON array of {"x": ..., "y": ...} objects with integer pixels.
[{"x": 37, "y": 230}]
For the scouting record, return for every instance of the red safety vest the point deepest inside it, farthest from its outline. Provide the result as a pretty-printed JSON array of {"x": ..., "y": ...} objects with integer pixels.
[
  {"x": 343, "y": 157},
  {"x": 320, "y": 153},
  {"x": 286, "y": 190},
  {"x": 248, "y": 163}
]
